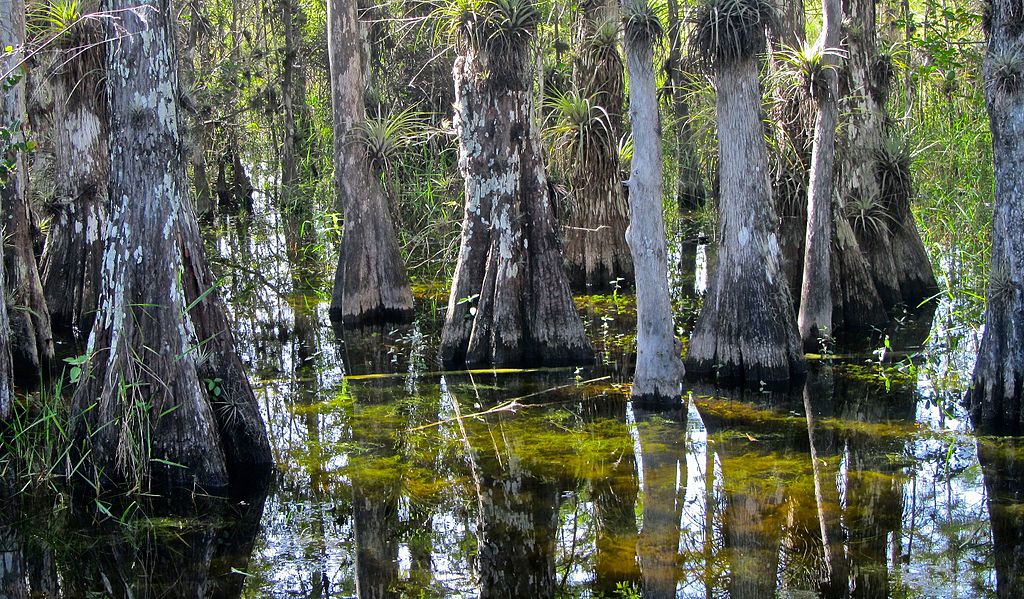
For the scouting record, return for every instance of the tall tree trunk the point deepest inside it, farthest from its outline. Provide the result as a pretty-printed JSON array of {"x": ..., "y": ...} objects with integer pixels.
[
  {"x": 885, "y": 231},
  {"x": 199, "y": 110},
  {"x": 147, "y": 412},
  {"x": 596, "y": 253},
  {"x": 293, "y": 98},
  {"x": 8, "y": 118},
  {"x": 999, "y": 373},
  {"x": 370, "y": 284},
  {"x": 510, "y": 301},
  {"x": 1003, "y": 473},
  {"x": 815, "y": 317},
  {"x": 659, "y": 368},
  {"x": 690, "y": 193},
  {"x": 74, "y": 247},
  {"x": 824, "y": 450},
  {"x": 662, "y": 455},
  {"x": 31, "y": 341},
  {"x": 747, "y": 330},
  {"x": 788, "y": 29},
  {"x": 793, "y": 118}
]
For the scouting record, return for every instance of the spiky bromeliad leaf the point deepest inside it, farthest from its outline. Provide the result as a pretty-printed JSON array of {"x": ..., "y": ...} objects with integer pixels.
[
  {"x": 577, "y": 123},
  {"x": 892, "y": 170},
  {"x": 868, "y": 215},
  {"x": 1006, "y": 70},
  {"x": 54, "y": 17},
  {"x": 387, "y": 136},
  {"x": 642, "y": 20},
  {"x": 725, "y": 31},
  {"x": 512, "y": 20},
  {"x": 603, "y": 45},
  {"x": 484, "y": 23},
  {"x": 809, "y": 63}
]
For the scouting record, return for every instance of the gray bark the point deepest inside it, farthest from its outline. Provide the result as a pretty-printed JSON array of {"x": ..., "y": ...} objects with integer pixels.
[
  {"x": 896, "y": 257},
  {"x": 596, "y": 252},
  {"x": 143, "y": 404},
  {"x": 999, "y": 373},
  {"x": 690, "y": 193},
  {"x": 7, "y": 117},
  {"x": 747, "y": 330},
  {"x": 293, "y": 97},
  {"x": 510, "y": 302},
  {"x": 370, "y": 284},
  {"x": 815, "y": 317},
  {"x": 788, "y": 29},
  {"x": 31, "y": 341},
  {"x": 196, "y": 119},
  {"x": 74, "y": 247},
  {"x": 659, "y": 368}
]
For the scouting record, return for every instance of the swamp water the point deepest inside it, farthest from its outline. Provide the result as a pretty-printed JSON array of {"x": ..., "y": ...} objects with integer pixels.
[{"x": 398, "y": 480}]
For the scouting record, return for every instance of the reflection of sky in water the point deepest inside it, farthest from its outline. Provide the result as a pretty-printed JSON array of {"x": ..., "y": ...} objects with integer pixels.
[{"x": 306, "y": 545}]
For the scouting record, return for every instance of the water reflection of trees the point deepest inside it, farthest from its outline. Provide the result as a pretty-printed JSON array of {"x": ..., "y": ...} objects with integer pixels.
[{"x": 1002, "y": 464}]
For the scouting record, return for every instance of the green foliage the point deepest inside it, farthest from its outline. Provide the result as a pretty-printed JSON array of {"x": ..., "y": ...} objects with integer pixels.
[
  {"x": 867, "y": 214},
  {"x": 389, "y": 137},
  {"x": 603, "y": 45},
  {"x": 491, "y": 23},
  {"x": 54, "y": 17},
  {"x": 810, "y": 64},
  {"x": 576, "y": 124},
  {"x": 892, "y": 170}
]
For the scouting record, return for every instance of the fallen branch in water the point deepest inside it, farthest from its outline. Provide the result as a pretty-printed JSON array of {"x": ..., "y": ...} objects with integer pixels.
[{"x": 508, "y": 406}]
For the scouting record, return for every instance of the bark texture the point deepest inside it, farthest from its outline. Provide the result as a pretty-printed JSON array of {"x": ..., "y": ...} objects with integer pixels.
[
  {"x": 747, "y": 330},
  {"x": 370, "y": 284},
  {"x": 510, "y": 301},
  {"x": 690, "y": 193},
  {"x": 31, "y": 341},
  {"x": 882, "y": 222},
  {"x": 293, "y": 97},
  {"x": 144, "y": 413},
  {"x": 659, "y": 368},
  {"x": 74, "y": 247},
  {"x": 815, "y": 317},
  {"x": 8, "y": 117},
  {"x": 198, "y": 32},
  {"x": 999, "y": 373},
  {"x": 596, "y": 252}
]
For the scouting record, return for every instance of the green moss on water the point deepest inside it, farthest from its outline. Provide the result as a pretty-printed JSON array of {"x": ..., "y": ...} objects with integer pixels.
[{"x": 609, "y": 305}]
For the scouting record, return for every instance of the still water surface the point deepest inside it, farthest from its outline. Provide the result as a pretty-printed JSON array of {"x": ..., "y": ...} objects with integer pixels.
[{"x": 399, "y": 480}]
